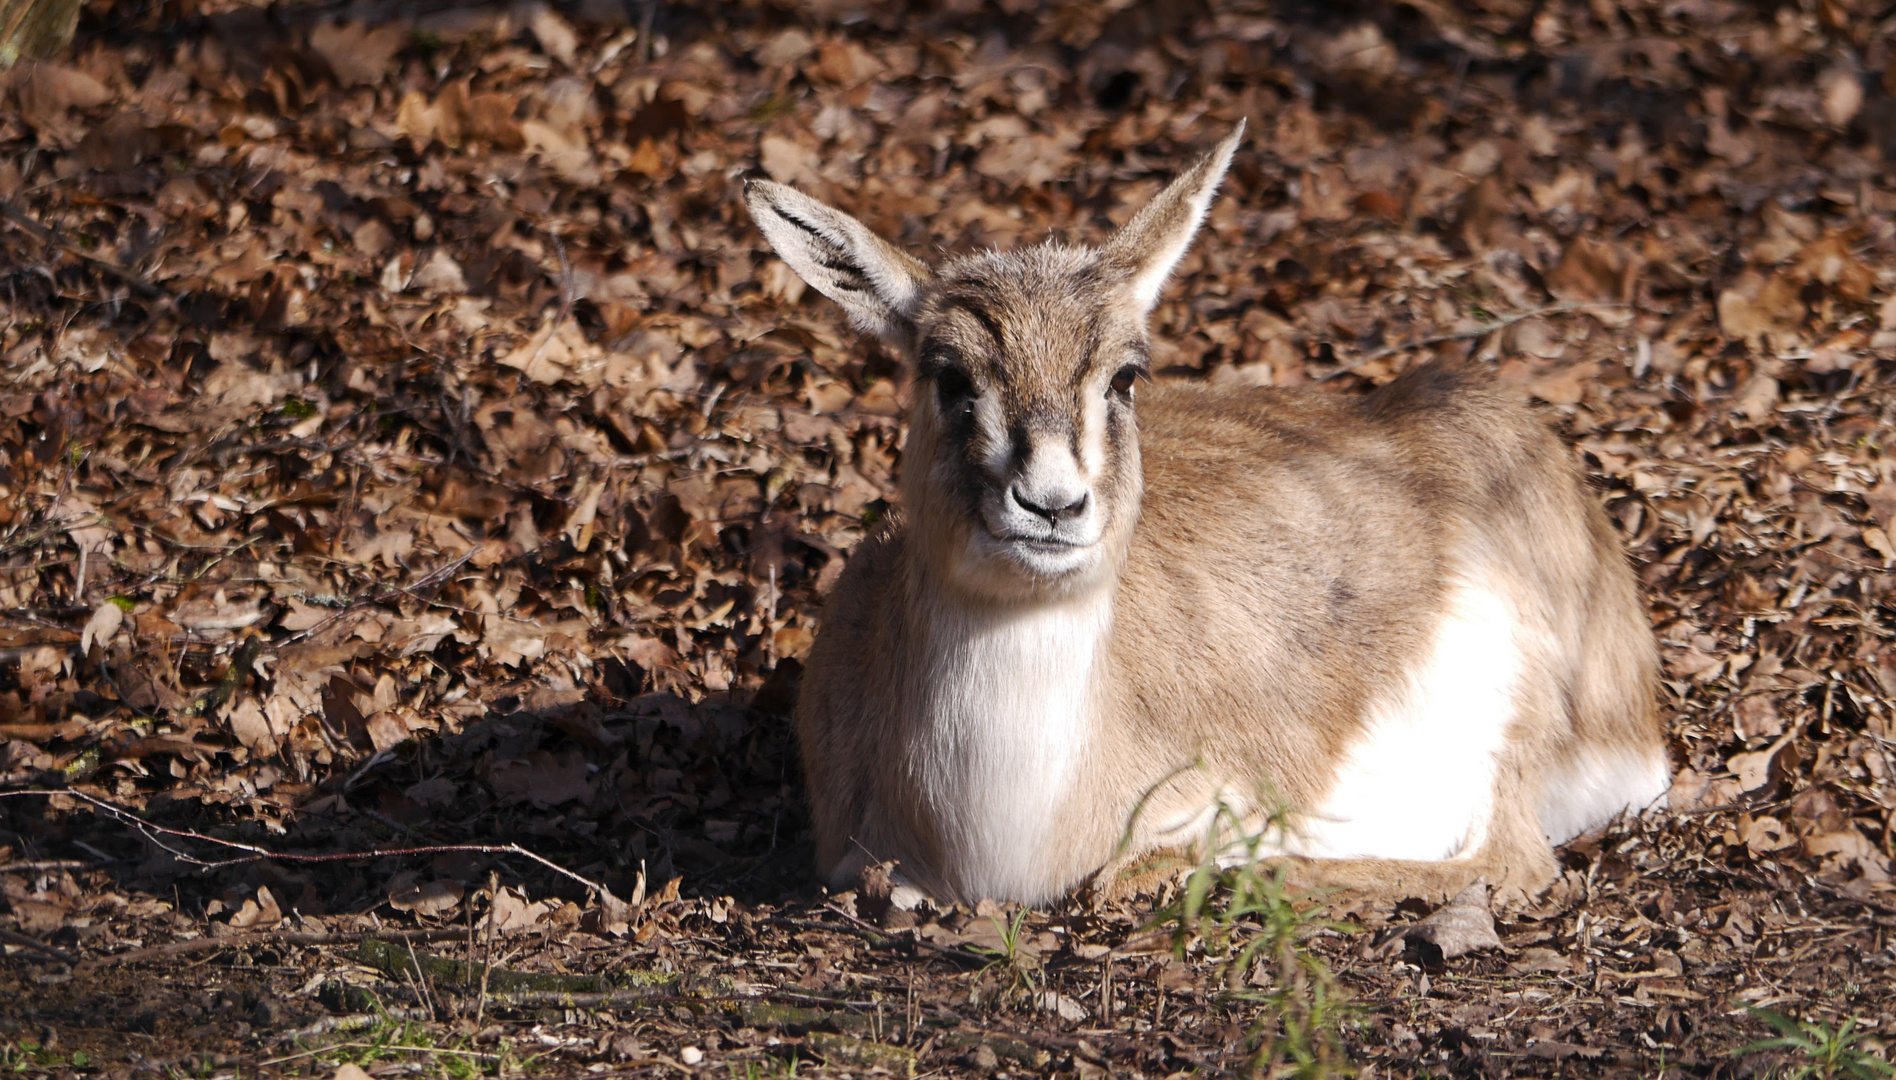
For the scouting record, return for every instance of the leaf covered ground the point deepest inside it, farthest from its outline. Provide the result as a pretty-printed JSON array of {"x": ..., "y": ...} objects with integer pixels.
[{"x": 407, "y": 442}]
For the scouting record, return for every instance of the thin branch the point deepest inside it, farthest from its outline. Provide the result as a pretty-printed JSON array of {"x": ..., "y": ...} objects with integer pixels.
[
  {"x": 330, "y": 1047},
  {"x": 255, "y": 853},
  {"x": 952, "y": 954},
  {"x": 428, "y": 580},
  {"x": 580, "y": 999},
  {"x": 45, "y": 864},
  {"x": 351, "y": 1022},
  {"x": 218, "y": 944},
  {"x": 38, "y": 946},
  {"x": 45, "y": 234}
]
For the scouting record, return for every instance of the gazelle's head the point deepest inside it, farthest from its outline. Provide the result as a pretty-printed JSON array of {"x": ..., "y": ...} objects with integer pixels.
[{"x": 1021, "y": 475}]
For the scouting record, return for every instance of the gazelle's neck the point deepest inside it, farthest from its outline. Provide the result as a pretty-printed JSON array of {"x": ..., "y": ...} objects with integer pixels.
[{"x": 1008, "y": 710}]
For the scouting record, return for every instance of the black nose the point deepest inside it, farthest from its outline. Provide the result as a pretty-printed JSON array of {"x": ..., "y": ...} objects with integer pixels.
[{"x": 1054, "y": 514}]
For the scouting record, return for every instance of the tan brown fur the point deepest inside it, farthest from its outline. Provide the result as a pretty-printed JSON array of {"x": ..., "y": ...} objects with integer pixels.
[{"x": 1271, "y": 565}]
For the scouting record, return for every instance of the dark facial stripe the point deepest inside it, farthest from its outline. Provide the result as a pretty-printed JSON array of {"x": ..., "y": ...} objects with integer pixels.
[
  {"x": 1090, "y": 350},
  {"x": 980, "y": 314},
  {"x": 1017, "y": 444}
]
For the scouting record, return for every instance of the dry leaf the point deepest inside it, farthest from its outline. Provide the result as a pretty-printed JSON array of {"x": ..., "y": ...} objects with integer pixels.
[
  {"x": 787, "y": 46},
  {"x": 1878, "y": 541},
  {"x": 261, "y": 912},
  {"x": 252, "y": 728},
  {"x": 510, "y": 910},
  {"x": 1463, "y": 925},
  {"x": 541, "y": 779},
  {"x": 36, "y": 917},
  {"x": 1755, "y": 770},
  {"x": 1758, "y": 398},
  {"x": 554, "y": 33},
  {"x": 387, "y": 731},
  {"x": 1592, "y": 270},
  {"x": 1764, "y": 834},
  {"x": 1842, "y": 91},
  {"x": 1564, "y": 385},
  {"x": 788, "y": 161},
  {"x": 46, "y": 91},
  {"x": 1756, "y": 307},
  {"x": 1543, "y": 961},
  {"x": 433, "y": 898},
  {"x": 438, "y": 792},
  {"x": 90, "y": 532},
  {"x": 357, "y": 54},
  {"x": 1881, "y": 500},
  {"x": 102, "y": 627},
  {"x": 439, "y": 275},
  {"x": 1066, "y": 1008}
]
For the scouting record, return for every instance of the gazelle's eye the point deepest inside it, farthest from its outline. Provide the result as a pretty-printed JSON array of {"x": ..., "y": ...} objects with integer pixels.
[
  {"x": 1124, "y": 378},
  {"x": 953, "y": 390}
]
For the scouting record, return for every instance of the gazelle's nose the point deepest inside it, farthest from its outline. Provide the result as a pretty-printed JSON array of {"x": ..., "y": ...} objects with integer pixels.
[{"x": 1056, "y": 505}]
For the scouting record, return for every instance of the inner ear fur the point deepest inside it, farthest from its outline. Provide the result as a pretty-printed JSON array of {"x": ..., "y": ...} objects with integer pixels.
[
  {"x": 879, "y": 286},
  {"x": 1151, "y": 244}
]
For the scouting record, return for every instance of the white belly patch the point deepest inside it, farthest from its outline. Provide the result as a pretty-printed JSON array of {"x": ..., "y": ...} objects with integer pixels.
[
  {"x": 1596, "y": 786},
  {"x": 1419, "y": 781}
]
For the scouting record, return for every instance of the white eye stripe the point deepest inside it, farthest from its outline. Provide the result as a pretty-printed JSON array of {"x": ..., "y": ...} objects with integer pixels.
[
  {"x": 1093, "y": 434},
  {"x": 992, "y": 426}
]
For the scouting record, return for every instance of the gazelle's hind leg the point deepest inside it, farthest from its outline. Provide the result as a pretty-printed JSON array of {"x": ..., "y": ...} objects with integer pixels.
[
  {"x": 1383, "y": 880},
  {"x": 1515, "y": 861}
]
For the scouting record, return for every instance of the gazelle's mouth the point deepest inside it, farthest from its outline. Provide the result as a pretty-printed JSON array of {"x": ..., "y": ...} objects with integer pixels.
[
  {"x": 1042, "y": 543},
  {"x": 1045, "y": 556}
]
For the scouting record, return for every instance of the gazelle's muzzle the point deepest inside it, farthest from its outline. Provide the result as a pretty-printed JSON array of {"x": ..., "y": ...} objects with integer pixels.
[{"x": 1045, "y": 514}]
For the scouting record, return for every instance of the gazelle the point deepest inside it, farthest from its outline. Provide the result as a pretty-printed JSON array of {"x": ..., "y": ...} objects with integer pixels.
[{"x": 1403, "y": 613}]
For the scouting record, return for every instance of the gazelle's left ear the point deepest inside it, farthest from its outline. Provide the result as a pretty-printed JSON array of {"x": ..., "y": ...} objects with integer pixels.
[{"x": 1156, "y": 238}]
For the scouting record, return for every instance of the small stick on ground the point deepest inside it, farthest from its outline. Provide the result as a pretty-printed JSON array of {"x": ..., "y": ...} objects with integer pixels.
[
  {"x": 38, "y": 946},
  {"x": 51, "y": 237},
  {"x": 257, "y": 853},
  {"x": 487, "y": 948},
  {"x": 423, "y": 982},
  {"x": 214, "y": 944}
]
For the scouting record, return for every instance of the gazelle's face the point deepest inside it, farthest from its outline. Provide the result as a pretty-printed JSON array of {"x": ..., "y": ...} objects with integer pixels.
[{"x": 1022, "y": 468}]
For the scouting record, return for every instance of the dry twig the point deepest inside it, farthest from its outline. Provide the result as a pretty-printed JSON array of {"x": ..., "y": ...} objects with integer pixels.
[{"x": 256, "y": 853}]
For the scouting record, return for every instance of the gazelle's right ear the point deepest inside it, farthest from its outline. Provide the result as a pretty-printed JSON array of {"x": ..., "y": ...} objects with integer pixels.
[{"x": 877, "y": 285}]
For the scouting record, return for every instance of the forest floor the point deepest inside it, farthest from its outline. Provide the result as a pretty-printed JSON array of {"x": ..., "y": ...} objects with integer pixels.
[{"x": 407, "y": 442}]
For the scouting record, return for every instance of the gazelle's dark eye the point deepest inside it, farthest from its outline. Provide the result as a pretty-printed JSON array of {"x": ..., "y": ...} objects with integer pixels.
[
  {"x": 953, "y": 390},
  {"x": 1124, "y": 378}
]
